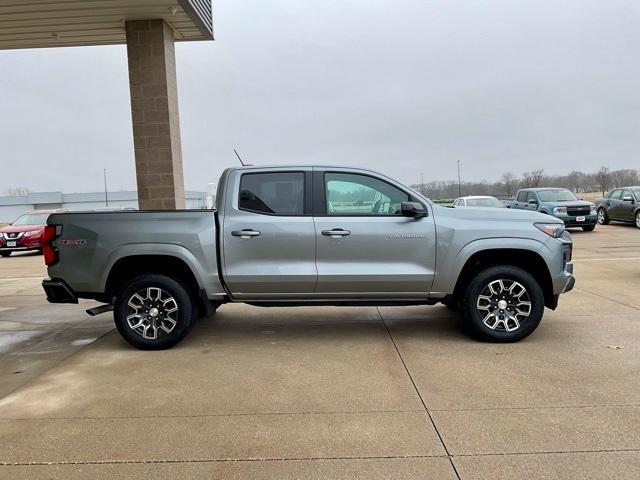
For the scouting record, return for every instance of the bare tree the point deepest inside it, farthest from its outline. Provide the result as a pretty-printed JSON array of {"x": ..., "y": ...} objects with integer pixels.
[
  {"x": 509, "y": 183},
  {"x": 602, "y": 176},
  {"x": 532, "y": 179}
]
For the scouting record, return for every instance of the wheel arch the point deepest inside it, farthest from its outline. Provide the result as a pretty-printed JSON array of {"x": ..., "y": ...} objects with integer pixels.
[
  {"x": 528, "y": 260},
  {"x": 171, "y": 266}
]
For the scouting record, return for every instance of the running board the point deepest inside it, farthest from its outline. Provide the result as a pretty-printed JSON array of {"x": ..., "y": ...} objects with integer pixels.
[{"x": 100, "y": 309}]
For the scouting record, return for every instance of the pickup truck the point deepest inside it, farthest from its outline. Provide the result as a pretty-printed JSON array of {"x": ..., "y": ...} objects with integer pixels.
[
  {"x": 300, "y": 236},
  {"x": 559, "y": 202}
]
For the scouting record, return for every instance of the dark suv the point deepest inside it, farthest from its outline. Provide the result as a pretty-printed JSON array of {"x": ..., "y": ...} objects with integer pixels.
[{"x": 620, "y": 205}]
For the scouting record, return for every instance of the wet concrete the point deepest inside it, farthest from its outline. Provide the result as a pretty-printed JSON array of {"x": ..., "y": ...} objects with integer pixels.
[{"x": 328, "y": 392}]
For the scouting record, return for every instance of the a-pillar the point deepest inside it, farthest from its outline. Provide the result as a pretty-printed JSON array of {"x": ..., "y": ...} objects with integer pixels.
[{"x": 154, "y": 110}]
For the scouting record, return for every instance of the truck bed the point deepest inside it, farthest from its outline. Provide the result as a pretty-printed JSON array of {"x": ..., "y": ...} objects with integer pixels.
[{"x": 92, "y": 242}]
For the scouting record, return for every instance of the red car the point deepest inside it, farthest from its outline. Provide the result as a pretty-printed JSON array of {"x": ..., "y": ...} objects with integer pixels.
[{"x": 25, "y": 233}]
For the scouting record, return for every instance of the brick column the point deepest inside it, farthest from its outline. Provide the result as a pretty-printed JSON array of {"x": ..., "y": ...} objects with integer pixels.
[{"x": 154, "y": 109}]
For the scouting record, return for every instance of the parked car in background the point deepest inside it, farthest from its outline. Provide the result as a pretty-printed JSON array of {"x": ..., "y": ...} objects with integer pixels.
[
  {"x": 559, "y": 202},
  {"x": 26, "y": 233},
  {"x": 620, "y": 205},
  {"x": 478, "y": 201}
]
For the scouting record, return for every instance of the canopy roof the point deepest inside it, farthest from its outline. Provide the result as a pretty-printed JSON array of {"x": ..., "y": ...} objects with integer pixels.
[{"x": 45, "y": 23}]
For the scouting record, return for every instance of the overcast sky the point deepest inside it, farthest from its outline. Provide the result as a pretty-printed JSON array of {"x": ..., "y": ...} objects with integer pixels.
[{"x": 399, "y": 86}]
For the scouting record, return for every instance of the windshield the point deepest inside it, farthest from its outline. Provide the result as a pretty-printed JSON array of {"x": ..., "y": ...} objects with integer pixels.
[
  {"x": 556, "y": 195},
  {"x": 484, "y": 202},
  {"x": 636, "y": 192},
  {"x": 32, "y": 219}
]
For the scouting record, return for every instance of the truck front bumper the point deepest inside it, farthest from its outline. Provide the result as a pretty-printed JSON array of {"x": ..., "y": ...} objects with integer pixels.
[
  {"x": 58, "y": 291},
  {"x": 570, "y": 221}
]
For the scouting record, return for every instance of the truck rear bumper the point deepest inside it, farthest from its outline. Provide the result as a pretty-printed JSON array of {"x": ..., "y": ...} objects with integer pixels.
[{"x": 58, "y": 291}]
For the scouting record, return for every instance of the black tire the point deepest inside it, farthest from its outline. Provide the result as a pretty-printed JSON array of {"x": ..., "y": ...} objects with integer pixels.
[
  {"x": 637, "y": 219},
  {"x": 589, "y": 228},
  {"x": 147, "y": 325},
  {"x": 603, "y": 218},
  {"x": 502, "y": 331},
  {"x": 451, "y": 304},
  {"x": 5, "y": 254}
]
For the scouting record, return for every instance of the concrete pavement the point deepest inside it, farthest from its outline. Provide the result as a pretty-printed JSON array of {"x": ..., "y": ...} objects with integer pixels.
[{"x": 328, "y": 392}]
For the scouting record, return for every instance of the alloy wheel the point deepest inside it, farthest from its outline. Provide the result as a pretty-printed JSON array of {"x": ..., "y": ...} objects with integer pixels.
[
  {"x": 601, "y": 216},
  {"x": 152, "y": 312},
  {"x": 504, "y": 305}
]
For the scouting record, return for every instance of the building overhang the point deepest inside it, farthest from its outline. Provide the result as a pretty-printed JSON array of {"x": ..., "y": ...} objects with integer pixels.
[{"x": 42, "y": 23}]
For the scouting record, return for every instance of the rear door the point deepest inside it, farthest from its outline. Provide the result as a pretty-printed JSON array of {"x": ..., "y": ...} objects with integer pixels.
[
  {"x": 627, "y": 205},
  {"x": 614, "y": 209},
  {"x": 365, "y": 247},
  {"x": 268, "y": 237}
]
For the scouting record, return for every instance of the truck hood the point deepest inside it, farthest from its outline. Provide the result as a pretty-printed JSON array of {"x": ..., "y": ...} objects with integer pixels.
[
  {"x": 573, "y": 203},
  {"x": 497, "y": 214}
]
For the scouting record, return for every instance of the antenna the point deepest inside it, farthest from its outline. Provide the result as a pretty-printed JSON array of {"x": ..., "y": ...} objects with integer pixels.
[{"x": 241, "y": 162}]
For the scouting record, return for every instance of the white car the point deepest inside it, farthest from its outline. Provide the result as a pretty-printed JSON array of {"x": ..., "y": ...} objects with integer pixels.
[{"x": 478, "y": 201}]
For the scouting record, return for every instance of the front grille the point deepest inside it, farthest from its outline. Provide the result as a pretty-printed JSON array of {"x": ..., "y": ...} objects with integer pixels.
[{"x": 575, "y": 211}]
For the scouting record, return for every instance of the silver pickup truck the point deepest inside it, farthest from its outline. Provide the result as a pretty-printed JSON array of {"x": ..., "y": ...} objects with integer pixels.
[{"x": 294, "y": 236}]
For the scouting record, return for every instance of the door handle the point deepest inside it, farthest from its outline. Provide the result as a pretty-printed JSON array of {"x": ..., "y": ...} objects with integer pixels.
[
  {"x": 336, "y": 232},
  {"x": 245, "y": 233}
]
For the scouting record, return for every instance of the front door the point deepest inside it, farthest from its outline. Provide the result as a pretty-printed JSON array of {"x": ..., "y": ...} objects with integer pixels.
[
  {"x": 365, "y": 247},
  {"x": 268, "y": 236}
]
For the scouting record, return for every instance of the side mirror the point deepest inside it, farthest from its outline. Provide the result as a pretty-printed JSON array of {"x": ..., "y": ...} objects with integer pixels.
[
  {"x": 627, "y": 199},
  {"x": 413, "y": 209},
  {"x": 533, "y": 201}
]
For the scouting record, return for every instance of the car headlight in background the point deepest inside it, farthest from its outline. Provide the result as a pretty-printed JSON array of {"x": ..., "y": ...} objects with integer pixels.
[
  {"x": 593, "y": 210},
  {"x": 554, "y": 230},
  {"x": 560, "y": 211},
  {"x": 32, "y": 233}
]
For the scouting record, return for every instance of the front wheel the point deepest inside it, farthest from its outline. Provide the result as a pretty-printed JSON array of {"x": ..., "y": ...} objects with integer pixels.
[
  {"x": 603, "y": 218},
  {"x": 154, "y": 312},
  {"x": 589, "y": 228},
  {"x": 638, "y": 219},
  {"x": 502, "y": 304}
]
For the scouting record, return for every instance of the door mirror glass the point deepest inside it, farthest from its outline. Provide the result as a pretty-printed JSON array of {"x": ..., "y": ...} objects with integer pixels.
[{"x": 413, "y": 209}]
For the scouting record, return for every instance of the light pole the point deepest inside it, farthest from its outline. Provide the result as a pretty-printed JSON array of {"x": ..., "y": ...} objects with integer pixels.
[
  {"x": 106, "y": 195},
  {"x": 459, "y": 186}
]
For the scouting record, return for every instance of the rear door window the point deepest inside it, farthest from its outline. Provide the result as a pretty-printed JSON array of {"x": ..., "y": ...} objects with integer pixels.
[
  {"x": 275, "y": 193},
  {"x": 522, "y": 197}
]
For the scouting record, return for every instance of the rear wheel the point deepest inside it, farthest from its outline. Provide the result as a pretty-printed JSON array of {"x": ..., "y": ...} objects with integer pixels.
[
  {"x": 502, "y": 304},
  {"x": 638, "y": 219},
  {"x": 603, "y": 218},
  {"x": 154, "y": 312},
  {"x": 589, "y": 228},
  {"x": 5, "y": 254}
]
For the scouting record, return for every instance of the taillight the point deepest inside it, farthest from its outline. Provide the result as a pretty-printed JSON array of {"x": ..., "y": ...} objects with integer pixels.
[{"x": 51, "y": 232}]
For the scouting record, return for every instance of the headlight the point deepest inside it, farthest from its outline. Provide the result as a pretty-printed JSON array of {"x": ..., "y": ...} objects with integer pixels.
[
  {"x": 32, "y": 233},
  {"x": 593, "y": 210},
  {"x": 560, "y": 211},
  {"x": 554, "y": 230}
]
